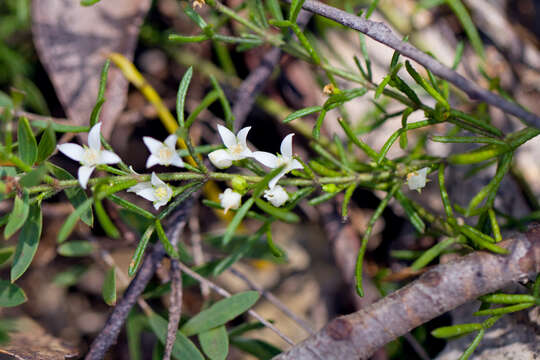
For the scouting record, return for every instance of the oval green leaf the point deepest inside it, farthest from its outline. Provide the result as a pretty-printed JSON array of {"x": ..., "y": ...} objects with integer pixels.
[
  {"x": 183, "y": 348},
  {"x": 220, "y": 313},
  {"x": 18, "y": 215},
  {"x": 47, "y": 144},
  {"x": 27, "y": 142},
  {"x": 28, "y": 242},
  {"x": 68, "y": 226},
  {"x": 215, "y": 343},
  {"x": 10, "y": 294}
]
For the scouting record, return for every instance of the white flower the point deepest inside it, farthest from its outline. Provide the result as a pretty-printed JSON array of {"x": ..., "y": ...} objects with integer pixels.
[
  {"x": 285, "y": 158},
  {"x": 162, "y": 153},
  {"x": 236, "y": 148},
  {"x": 277, "y": 196},
  {"x": 417, "y": 179},
  {"x": 90, "y": 156},
  {"x": 156, "y": 191},
  {"x": 230, "y": 199}
]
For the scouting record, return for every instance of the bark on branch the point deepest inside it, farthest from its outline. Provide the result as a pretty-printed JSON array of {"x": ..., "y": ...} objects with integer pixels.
[
  {"x": 380, "y": 32},
  {"x": 445, "y": 287}
]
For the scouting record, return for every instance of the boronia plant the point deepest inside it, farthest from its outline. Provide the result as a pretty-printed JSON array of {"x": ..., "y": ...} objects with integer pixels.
[{"x": 260, "y": 185}]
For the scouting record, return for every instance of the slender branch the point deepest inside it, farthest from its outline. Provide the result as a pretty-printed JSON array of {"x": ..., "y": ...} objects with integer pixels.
[
  {"x": 221, "y": 291},
  {"x": 445, "y": 287},
  {"x": 380, "y": 32}
]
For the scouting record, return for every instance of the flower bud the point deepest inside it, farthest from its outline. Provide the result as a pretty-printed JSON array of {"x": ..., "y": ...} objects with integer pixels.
[
  {"x": 230, "y": 199},
  {"x": 220, "y": 159},
  {"x": 417, "y": 179},
  {"x": 277, "y": 196},
  {"x": 239, "y": 184}
]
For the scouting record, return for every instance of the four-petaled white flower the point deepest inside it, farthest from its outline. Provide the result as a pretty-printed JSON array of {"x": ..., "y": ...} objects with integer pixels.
[
  {"x": 277, "y": 196},
  {"x": 90, "y": 156},
  {"x": 285, "y": 158},
  {"x": 236, "y": 148},
  {"x": 416, "y": 180},
  {"x": 230, "y": 199},
  {"x": 155, "y": 190},
  {"x": 162, "y": 153}
]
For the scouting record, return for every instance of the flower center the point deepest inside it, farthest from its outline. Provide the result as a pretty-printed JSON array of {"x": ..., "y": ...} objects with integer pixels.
[
  {"x": 161, "y": 193},
  {"x": 165, "y": 154},
  {"x": 281, "y": 161},
  {"x": 237, "y": 149},
  {"x": 90, "y": 157}
]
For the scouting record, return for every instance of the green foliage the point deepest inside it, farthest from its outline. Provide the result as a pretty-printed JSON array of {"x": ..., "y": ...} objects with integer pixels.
[
  {"x": 108, "y": 290},
  {"x": 28, "y": 242},
  {"x": 10, "y": 294}
]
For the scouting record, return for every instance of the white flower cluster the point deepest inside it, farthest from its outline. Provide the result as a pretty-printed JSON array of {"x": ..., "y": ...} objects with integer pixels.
[
  {"x": 164, "y": 153},
  {"x": 237, "y": 149}
]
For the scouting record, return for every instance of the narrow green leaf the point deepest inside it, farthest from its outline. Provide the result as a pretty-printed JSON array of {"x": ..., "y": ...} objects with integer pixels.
[
  {"x": 296, "y": 6},
  {"x": 183, "y": 348},
  {"x": 75, "y": 195},
  {"x": 215, "y": 343},
  {"x": 139, "y": 251},
  {"x": 507, "y": 298},
  {"x": 131, "y": 207},
  {"x": 47, "y": 144},
  {"x": 274, "y": 9},
  {"x": 18, "y": 215},
  {"x": 104, "y": 219},
  {"x": 220, "y": 313},
  {"x": 455, "y": 330},
  {"x": 76, "y": 248},
  {"x": 181, "y": 96},
  {"x": 10, "y": 294},
  {"x": 72, "y": 219},
  {"x": 195, "y": 17},
  {"x": 89, "y": 2},
  {"x": 465, "y": 19},
  {"x": 413, "y": 216},
  {"x": 423, "y": 83},
  {"x": 169, "y": 248},
  {"x": 504, "y": 310},
  {"x": 276, "y": 212},
  {"x": 108, "y": 290},
  {"x": 432, "y": 253},
  {"x": 28, "y": 242},
  {"x": 27, "y": 142},
  {"x": 301, "y": 113},
  {"x": 94, "y": 116},
  {"x": 135, "y": 325}
]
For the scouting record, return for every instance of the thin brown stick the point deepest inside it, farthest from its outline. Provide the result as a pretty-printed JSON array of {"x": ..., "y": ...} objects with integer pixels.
[
  {"x": 443, "y": 288},
  {"x": 380, "y": 32},
  {"x": 274, "y": 300},
  {"x": 221, "y": 291}
]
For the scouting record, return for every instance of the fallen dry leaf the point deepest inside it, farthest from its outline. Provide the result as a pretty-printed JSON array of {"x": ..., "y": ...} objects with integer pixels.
[
  {"x": 31, "y": 342},
  {"x": 73, "y": 42}
]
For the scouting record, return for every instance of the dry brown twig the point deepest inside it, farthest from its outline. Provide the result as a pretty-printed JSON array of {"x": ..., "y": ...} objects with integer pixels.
[{"x": 443, "y": 288}]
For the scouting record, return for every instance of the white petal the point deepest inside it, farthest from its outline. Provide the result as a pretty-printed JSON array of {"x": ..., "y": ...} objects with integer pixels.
[
  {"x": 286, "y": 146},
  {"x": 294, "y": 164},
  {"x": 84, "y": 174},
  {"x": 108, "y": 157},
  {"x": 152, "y": 144},
  {"x": 276, "y": 178},
  {"x": 159, "y": 204},
  {"x": 157, "y": 182},
  {"x": 140, "y": 187},
  {"x": 277, "y": 196},
  {"x": 220, "y": 158},
  {"x": 228, "y": 137},
  {"x": 265, "y": 158},
  {"x": 152, "y": 160},
  {"x": 242, "y": 136},
  {"x": 147, "y": 194},
  {"x": 230, "y": 199},
  {"x": 72, "y": 151},
  {"x": 177, "y": 160},
  {"x": 94, "y": 137},
  {"x": 170, "y": 141}
]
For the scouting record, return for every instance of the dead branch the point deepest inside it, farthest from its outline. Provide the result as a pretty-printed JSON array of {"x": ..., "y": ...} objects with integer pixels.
[
  {"x": 443, "y": 288},
  {"x": 380, "y": 32}
]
